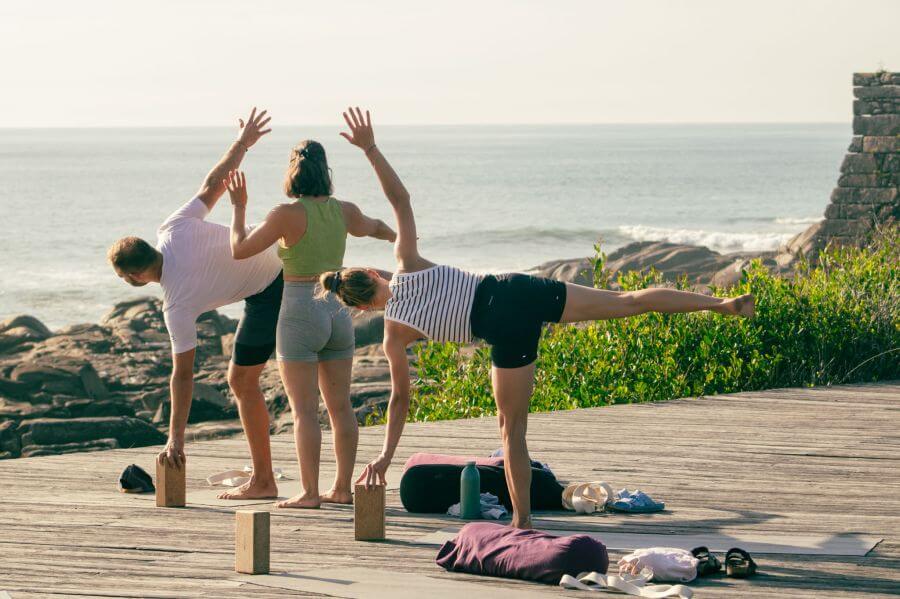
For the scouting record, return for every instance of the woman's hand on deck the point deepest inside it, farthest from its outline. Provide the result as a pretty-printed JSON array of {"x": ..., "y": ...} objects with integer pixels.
[
  {"x": 361, "y": 134},
  {"x": 236, "y": 184},
  {"x": 374, "y": 472}
]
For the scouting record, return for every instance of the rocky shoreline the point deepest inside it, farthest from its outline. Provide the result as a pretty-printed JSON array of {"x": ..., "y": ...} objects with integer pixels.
[{"x": 106, "y": 385}]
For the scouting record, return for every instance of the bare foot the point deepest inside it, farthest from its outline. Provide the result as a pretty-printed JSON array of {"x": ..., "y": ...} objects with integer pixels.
[
  {"x": 524, "y": 524},
  {"x": 302, "y": 501},
  {"x": 745, "y": 305},
  {"x": 252, "y": 489},
  {"x": 335, "y": 496}
]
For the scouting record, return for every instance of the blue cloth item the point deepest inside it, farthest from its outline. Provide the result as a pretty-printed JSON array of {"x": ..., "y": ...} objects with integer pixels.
[
  {"x": 491, "y": 508},
  {"x": 635, "y": 502}
]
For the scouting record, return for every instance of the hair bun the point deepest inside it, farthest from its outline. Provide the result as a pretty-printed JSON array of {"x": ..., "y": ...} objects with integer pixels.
[{"x": 330, "y": 281}]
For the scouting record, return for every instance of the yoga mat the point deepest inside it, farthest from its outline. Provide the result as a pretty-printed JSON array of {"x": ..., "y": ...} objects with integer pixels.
[
  {"x": 286, "y": 489},
  {"x": 790, "y": 544},
  {"x": 374, "y": 583}
]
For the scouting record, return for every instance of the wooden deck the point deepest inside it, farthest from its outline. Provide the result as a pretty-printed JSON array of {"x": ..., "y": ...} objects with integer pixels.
[{"x": 798, "y": 461}]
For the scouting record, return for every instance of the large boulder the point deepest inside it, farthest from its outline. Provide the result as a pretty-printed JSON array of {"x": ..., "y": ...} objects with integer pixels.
[
  {"x": 63, "y": 376},
  {"x": 28, "y": 322},
  {"x": 698, "y": 263},
  {"x": 84, "y": 408},
  {"x": 20, "y": 410},
  {"x": 573, "y": 270},
  {"x": 20, "y": 333},
  {"x": 32, "y": 451},
  {"x": 79, "y": 339},
  {"x": 128, "y": 432}
]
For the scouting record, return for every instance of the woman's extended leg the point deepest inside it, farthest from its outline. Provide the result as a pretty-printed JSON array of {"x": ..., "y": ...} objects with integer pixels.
[
  {"x": 334, "y": 382},
  {"x": 586, "y": 303},
  {"x": 301, "y": 385},
  {"x": 512, "y": 392}
]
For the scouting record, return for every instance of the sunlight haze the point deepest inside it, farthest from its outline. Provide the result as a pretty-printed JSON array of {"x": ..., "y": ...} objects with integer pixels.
[{"x": 104, "y": 63}]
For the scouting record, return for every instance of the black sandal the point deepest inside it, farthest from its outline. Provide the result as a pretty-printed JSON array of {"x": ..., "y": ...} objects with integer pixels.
[
  {"x": 709, "y": 564},
  {"x": 739, "y": 564}
]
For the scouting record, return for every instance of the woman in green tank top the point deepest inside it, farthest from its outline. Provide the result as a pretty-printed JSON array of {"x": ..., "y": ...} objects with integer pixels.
[{"x": 315, "y": 339}]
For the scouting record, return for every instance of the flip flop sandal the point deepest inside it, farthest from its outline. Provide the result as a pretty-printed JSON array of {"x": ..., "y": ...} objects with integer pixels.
[
  {"x": 708, "y": 563},
  {"x": 739, "y": 564}
]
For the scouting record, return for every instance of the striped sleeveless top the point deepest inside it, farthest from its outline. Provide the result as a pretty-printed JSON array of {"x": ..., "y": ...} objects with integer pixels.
[{"x": 436, "y": 301}]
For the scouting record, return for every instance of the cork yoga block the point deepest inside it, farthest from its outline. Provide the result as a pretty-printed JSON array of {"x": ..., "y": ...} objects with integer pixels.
[
  {"x": 251, "y": 542},
  {"x": 170, "y": 485},
  {"x": 368, "y": 513}
]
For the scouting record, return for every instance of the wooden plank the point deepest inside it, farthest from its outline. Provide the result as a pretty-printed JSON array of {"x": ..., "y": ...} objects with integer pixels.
[{"x": 785, "y": 461}]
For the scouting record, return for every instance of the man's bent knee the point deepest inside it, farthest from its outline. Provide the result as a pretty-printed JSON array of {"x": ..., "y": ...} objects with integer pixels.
[{"x": 243, "y": 381}]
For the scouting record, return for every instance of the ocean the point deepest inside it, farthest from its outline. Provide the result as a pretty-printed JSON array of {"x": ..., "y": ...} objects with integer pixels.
[{"x": 487, "y": 198}]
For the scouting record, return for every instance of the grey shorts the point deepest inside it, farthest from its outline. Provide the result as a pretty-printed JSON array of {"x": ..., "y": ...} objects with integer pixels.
[{"x": 313, "y": 327}]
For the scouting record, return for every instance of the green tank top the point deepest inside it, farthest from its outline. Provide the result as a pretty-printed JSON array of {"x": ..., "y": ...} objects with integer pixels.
[{"x": 322, "y": 246}]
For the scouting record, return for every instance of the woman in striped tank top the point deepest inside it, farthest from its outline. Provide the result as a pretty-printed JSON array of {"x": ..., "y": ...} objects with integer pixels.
[{"x": 443, "y": 303}]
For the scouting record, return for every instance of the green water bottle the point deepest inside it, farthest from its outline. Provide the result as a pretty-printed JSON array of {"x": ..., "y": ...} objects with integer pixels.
[{"x": 470, "y": 493}]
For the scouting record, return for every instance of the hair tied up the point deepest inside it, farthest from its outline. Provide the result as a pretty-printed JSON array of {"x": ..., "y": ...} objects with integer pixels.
[{"x": 335, "y": 282}]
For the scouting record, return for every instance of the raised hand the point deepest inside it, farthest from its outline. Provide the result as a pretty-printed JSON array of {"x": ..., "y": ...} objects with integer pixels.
[
  {"x": 236, "y": 184},
  {"x": 361, "y": 134},
  {"x": 253, "y": 129}
]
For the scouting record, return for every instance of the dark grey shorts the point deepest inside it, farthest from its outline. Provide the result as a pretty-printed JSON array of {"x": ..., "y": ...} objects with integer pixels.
[
  {"x": 312, "y": 326},
  {"x": 254, "y": 340}
]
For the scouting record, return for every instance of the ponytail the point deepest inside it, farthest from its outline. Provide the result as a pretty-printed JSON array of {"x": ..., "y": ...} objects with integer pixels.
[{"x": 354, "y": 286}]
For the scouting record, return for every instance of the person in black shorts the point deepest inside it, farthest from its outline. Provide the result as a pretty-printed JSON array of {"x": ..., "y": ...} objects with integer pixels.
[
  {"x": 193, "y": 265},
  {"x": 434, "y": 301}
]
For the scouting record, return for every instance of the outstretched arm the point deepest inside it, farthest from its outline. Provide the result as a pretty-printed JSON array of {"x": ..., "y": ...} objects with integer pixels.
[
  {"x": 212, "y": 188},
  {"x": 360, "y": 225},
  {"x": 243, "y": 243},
  {"x": 405, "y": 248},
  {"x": 398, "y": 408}
]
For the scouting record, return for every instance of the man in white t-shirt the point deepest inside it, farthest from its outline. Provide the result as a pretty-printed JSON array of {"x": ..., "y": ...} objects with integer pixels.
[{"x": 192, "y": 262}]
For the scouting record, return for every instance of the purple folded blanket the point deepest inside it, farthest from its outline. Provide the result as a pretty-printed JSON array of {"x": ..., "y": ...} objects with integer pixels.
[{"x": 497, "y": 550}]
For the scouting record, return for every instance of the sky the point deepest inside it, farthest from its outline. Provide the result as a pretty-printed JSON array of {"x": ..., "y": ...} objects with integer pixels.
[{"x": 201, "y": 63}]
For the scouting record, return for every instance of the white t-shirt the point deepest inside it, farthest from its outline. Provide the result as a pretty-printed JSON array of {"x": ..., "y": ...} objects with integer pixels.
[{"x": 199, "y": 274}]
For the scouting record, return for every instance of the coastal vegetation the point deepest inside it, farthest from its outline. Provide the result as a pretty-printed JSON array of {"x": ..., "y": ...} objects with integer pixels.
[{"x": 832, "y": 322}]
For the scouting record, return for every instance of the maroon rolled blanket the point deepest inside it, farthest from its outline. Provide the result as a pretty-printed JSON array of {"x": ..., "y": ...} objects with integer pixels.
[{"x": 497, "y": 550}]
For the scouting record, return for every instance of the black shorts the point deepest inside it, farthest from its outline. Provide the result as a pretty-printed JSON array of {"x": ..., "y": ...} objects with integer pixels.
[
  {"x": 254, "y": 341},
  {"x": 509, "y": 313}
]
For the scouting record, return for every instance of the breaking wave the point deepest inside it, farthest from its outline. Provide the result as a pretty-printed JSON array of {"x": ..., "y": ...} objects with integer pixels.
[{"x": 716, "y": 240}]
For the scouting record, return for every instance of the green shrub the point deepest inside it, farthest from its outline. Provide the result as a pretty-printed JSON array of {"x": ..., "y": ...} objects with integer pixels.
[{"x": 837, "y": 322}]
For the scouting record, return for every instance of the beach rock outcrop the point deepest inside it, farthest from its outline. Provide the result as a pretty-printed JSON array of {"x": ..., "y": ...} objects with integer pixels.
[
  {"x": 128, "y": 432},
  {"x": 701, "y": 265},
  {"x": 110, "y": 381}
]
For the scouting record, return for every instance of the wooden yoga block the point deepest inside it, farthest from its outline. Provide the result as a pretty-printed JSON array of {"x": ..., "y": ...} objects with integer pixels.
[
  {"x": 251, "y": 542},
  {"x": 170, "y": 485},
  {"x": 368, "y": 513}
]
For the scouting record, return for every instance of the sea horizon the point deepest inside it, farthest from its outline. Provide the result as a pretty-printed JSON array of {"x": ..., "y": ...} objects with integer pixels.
[{"x": 488, "y": 197}]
